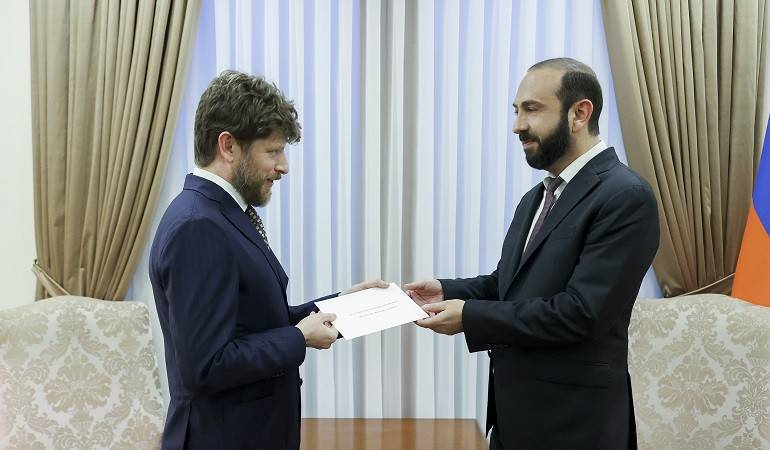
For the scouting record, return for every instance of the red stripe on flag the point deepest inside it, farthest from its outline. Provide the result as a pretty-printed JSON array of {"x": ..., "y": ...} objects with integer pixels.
[{"x": 752, "y": 275}]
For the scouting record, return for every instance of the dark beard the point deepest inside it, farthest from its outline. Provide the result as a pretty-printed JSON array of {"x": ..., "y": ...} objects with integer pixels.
[
  {"x": 551, "y": 148},
  {"x": 249, "y": 186}
]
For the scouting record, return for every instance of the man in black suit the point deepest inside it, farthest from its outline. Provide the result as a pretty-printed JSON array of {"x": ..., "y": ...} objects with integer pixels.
[{"x": 554, "y": 315}]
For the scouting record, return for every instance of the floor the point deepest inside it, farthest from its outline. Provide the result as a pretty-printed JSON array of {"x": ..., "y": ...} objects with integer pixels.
[{"x": 391, "y": 434}]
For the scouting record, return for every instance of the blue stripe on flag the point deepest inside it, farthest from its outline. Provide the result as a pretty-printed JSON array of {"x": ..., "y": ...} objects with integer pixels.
[{"x": 762, "y": 185}]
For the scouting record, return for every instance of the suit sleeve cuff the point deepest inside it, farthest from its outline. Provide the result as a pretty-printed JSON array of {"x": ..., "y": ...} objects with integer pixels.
[
  {"x": 451, "y": 288},
  {"x": 473, "y": 326},
  {"x": 298, "y": 342}
]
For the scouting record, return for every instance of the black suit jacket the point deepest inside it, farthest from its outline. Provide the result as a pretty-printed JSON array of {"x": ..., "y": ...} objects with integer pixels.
[
  {"x": 555, "y": 319},
  {"x": 232, "y": 351}
]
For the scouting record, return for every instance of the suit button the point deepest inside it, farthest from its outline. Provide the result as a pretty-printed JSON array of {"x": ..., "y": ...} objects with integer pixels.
[{"x": 300, "y": 381}]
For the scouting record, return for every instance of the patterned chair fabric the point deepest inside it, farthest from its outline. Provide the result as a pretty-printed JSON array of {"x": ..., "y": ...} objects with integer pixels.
[
  {"x": 78, "y": 373},
  {"x": 700, "y": 368}
]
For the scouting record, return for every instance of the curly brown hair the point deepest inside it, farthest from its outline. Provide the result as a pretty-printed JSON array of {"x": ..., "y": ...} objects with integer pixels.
[{"x": 247, "y": 106}]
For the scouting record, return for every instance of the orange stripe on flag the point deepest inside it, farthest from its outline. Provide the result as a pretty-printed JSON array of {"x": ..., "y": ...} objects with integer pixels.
[{"x": 752, "y": 275}]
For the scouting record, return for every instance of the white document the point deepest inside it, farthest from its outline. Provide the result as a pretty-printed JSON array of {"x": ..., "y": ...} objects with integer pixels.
[{"x": 371, "y": 310}]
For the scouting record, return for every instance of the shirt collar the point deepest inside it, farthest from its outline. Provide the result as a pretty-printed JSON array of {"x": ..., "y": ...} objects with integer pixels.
[
  {"x": 574, "y": 167},
  {"x": 224, "y": 184}
]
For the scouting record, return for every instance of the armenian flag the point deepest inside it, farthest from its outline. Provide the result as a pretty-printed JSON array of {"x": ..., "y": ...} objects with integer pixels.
[{"x": 752, "y": 275}]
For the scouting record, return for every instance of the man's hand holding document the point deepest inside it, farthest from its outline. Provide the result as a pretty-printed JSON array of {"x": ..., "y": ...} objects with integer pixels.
[{"x": 371, "y": 310}]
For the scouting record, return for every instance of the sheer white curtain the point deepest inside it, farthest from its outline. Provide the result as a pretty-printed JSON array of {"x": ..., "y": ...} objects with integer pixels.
[{"x": 407, "y": 168}]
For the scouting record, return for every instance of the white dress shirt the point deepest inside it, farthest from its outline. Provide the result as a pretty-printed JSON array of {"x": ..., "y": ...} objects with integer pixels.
[
  {"x": 224, "y": 184},
  {"x": 567, "y": 175}
]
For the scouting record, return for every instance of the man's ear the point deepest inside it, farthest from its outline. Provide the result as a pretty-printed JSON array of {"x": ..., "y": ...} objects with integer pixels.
[
  {"x": 225, "y": 142},
  {"x": 582, "y": 111}
]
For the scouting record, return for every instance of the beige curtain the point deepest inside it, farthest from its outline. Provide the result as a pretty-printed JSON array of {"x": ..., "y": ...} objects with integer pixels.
[
  {"x": 688, "y": 75},
  {"x": 107, "y": 81}
]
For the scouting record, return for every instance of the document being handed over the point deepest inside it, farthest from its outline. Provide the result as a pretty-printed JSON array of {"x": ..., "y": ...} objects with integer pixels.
[{"x": 371, "y": 310}]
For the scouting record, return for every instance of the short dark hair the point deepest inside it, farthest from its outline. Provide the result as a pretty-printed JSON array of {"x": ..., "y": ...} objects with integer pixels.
[
  {"x": 247, "y": 106},
  {"x": 577, "y": 83}
]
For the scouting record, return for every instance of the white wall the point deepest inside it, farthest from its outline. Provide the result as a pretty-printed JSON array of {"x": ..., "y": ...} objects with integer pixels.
[{"x": 17, "y": 229}]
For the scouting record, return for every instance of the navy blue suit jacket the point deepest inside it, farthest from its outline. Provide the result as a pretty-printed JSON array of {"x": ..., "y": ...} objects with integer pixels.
[
  {"x": 232, "y": 352},
  {"x": 555, "y": 318}
]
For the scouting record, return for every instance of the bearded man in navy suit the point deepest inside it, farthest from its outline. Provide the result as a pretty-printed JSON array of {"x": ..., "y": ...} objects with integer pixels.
[
  {"x": 554, "y": 315},
  {"x": 233, "y": 344}
]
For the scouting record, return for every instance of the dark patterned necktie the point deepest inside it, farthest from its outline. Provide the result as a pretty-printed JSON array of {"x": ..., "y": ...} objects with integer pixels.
[
  {"x": 550, "y": 189},
  {"x": 257, "y": 222}
]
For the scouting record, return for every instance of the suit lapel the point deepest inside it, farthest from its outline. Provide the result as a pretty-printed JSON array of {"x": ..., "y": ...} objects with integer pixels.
[
  {"x": 517, "y": 235},
  {"x": 239, "y": 219},
  {"x": 575, "y": 191}
]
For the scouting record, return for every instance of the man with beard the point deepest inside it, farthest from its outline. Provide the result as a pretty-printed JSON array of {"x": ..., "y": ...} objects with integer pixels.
[
  {"x": 554, "y": 315},
  {"x": 233, "y": 344}
]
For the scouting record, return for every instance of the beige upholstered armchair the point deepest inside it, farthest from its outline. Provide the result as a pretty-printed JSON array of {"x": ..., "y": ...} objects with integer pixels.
[
  {"x": 700, "y": 368},
  {"x": 78, "y": 373}
]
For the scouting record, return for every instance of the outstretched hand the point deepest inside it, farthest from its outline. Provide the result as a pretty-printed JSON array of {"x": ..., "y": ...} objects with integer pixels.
[
  {"x": 318, "y": 330},
  {"x": 365, "y": 285},
  {"x": 425, "y": 292},
  {"x": 446, "y": 317}
]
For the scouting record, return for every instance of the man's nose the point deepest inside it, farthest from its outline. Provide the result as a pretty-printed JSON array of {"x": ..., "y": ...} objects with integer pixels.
[
  {"x": 518, "y": 125},
  {"x": 283, "y": 165}
]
